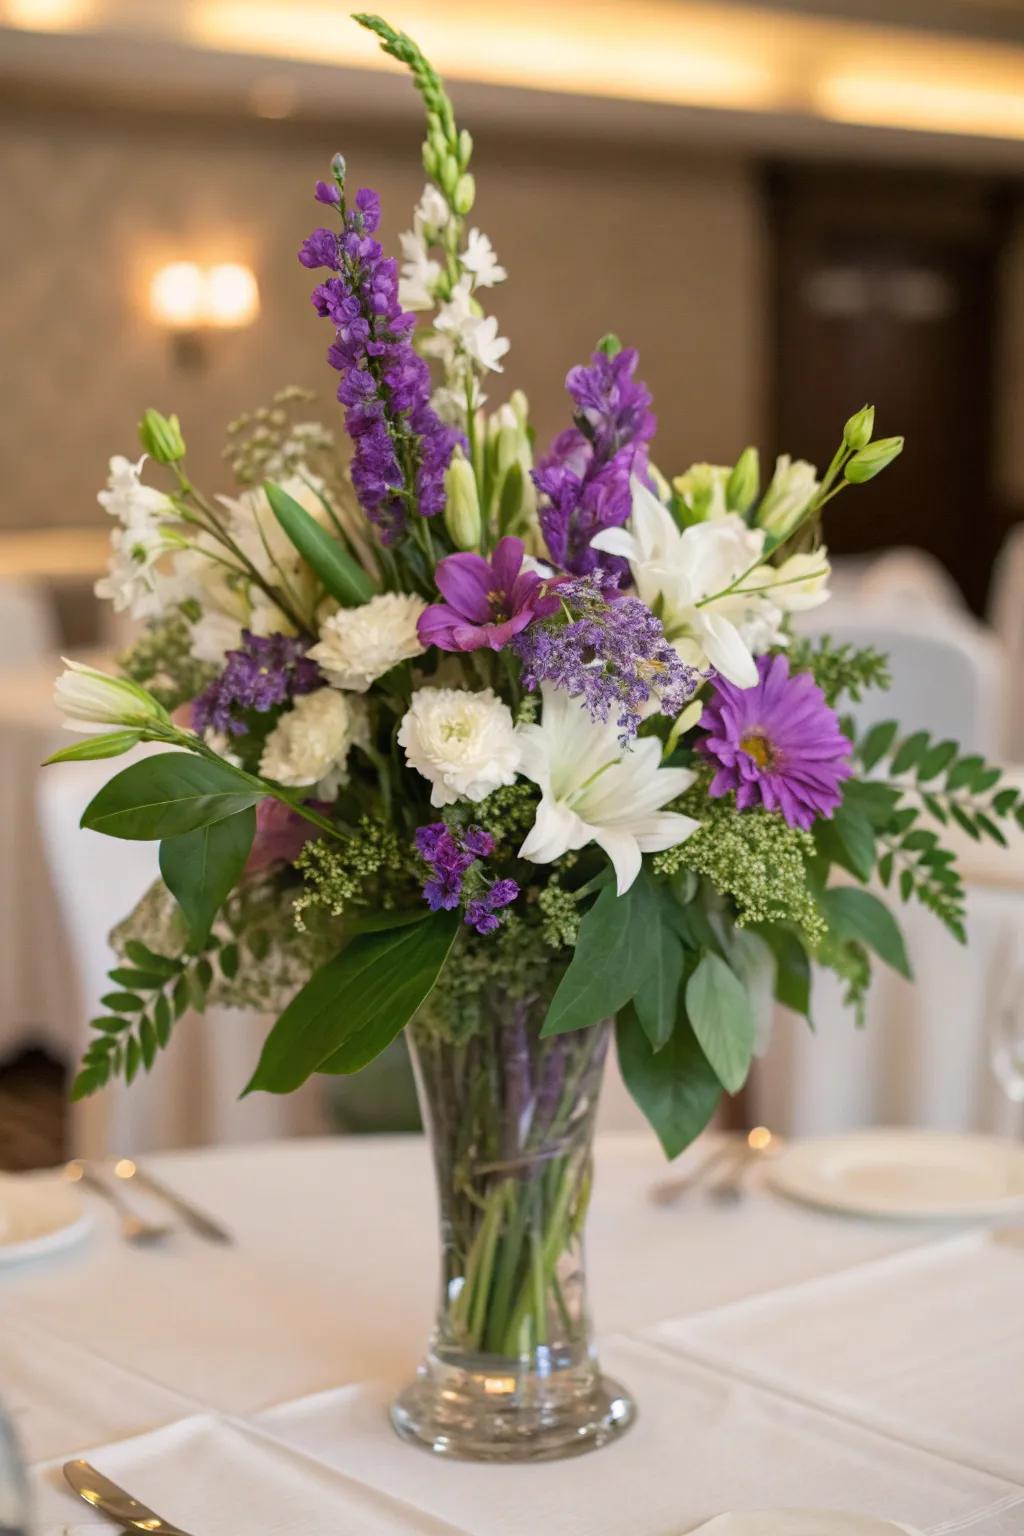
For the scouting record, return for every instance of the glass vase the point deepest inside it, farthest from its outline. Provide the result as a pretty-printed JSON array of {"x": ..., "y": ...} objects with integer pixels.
[{"x": 511, "y": 1373}]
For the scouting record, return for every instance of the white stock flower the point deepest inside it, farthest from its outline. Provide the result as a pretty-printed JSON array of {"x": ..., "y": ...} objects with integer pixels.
[
  {"x": 464, "y": 743},
  {"x": 358, "y": 645},
  {"x": 790, "y": 489},
  {"x": 594, "y": 790},
  {"x": 147, "y": 532},
  {"x": 461, "y": 326},
  {"x": 419, "y": 273},
  {"x": 88, "y": 698},
  {"x": 432, "y": 212},
  {"x": 310, "y": 744},
  {"x": 484, "y": 346},
  {"x": 675, "y": 572},
  {"x": 481, "y": 260},
  {"x": 127, "y": 499}
]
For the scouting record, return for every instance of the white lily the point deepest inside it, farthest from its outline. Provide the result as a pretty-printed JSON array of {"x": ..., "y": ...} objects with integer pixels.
[
  {"x": 594, "y": 790},
  {"x": 689, "y": 576},
  {"x": 88, "y": 698}
]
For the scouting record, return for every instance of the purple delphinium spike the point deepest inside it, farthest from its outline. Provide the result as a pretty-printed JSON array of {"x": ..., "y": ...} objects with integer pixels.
[
  {"x": 777, "y": 744},
  {"x": 402, "y": 447},
  {"x": 612, "y": 655},
  {"x": 584, "y": 480},
  {"x": 265, "y": 671}
]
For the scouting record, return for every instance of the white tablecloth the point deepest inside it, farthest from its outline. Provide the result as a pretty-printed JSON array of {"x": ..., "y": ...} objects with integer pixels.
[{"x": 779, "y": 1356}]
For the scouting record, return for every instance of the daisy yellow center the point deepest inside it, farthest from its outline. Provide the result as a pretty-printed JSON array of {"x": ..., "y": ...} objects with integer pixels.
[{"x": 756, "y": 745}]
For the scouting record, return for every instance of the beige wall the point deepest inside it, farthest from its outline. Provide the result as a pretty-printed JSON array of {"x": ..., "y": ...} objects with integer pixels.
[
  {"x": 1010, "y": 374},
  {"x": 666, "y": 249}
]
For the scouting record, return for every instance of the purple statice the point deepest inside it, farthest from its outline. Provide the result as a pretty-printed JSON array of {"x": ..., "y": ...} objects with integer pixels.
[
  {"x": 611, "y": 654},
  {"x": 401, "y": 446},
  {"x": 584, "y": 480},
  {"x": 487, "y": 602},
  {"x": 777, "y": 744},
  {"x": 265, "y": 671},
  {"x": 449, "y": 854}
]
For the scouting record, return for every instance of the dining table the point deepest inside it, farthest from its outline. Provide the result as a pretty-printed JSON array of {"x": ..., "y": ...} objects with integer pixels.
[{"x": 780, "y": 1356}]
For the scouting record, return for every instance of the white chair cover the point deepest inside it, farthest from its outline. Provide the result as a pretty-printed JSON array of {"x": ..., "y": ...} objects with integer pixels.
[
  {"x": 192, "y": 1096},
  {"x": 909, "y": 577},
  {"x": 28, "y": 623},
  {"x": 1006, "y": 614}
]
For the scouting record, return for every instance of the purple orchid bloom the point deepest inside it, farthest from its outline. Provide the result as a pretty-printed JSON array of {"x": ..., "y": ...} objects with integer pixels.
[{"x": 487, "y": 602}]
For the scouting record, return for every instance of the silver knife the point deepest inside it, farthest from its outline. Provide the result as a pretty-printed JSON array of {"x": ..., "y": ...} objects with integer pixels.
[
  {"x": 198, "y": 1220},
  {"x": 111, "y": 1500}
]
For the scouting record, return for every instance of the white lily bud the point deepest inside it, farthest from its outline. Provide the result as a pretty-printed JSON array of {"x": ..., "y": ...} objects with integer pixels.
[
  {"x": 89, "y": 698},
  {"x": 792, "y": 486},
  {"x": 462, "y": 506}
]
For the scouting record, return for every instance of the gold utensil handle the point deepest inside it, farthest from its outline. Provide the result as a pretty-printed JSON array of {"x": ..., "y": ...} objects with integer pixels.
[{"x": 99, "y": 1492}]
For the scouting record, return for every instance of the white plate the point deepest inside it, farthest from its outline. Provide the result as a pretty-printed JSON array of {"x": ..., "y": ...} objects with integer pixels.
[
  {"x": 910, "y": 1174},
  {"x": 800, "y": 1522},
  {"x": 39, "y": 1214}
]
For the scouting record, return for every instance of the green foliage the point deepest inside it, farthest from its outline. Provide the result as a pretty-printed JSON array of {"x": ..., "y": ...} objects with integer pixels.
[
  {"x": 857, "y": 916},
  {"x": 373, "y": 868},
  {"x": 507, "y": 813},
  {"x": 200, "y": 868},
  {"x": 840, "y": 670},
  {"x": 752, "y": 857},
  {"x": 161, "y": 661},
  {"x": 166, "y": 795},
  {"x": 720, "y": 1014},
  {"x": 560, "y": 915},
  {"x": 657, "y": 998},
  {"x": 94, "y": 748},
  {"x": 617, "y": 950},
  {"x": 342, "y": 576},
  {"x": 675, "y": 1087},
  {"x": 356, "y": 1004}
]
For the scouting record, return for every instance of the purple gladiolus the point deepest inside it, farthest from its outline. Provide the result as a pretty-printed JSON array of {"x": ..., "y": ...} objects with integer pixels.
[
  {"x": 487, "y": 602},
  {"x": 777, "y": 744}
]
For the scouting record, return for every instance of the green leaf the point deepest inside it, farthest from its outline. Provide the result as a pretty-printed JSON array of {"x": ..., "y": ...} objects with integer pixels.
[
  {"x": 964, "y": 821},
  {"x": 90, "y": 748},
  {"x": 857, "y": 915},
  {"x": 617, "y": 949},
  {"x": 147, "y": 1040},
  {"x": 848, "y": 839},
  {"x": 89, "y": 1080},
  {"x": 962, "y": 773},
  {"x": 182, "y": 995},
  {"x": 877, "y": 742},
  {"x": 355, "y": 1005},
  {"x": 875, "y": 801},
  {"x": 935, "y": 760},
  {"x": 127, "y": 976},
  {"x": 657, "y": 999},
  {"x": 229, "y": 961},
  {"x": 343, "y": 576},
  {"x": 149, "y": 960},
  {"x": 675, "y": 1087},
  {"x": 109, "y": 1026},
  {"x": 133, "y": 1059},
  {"x": 722, "y": 1020},
  {"x": 200, "y": 868},
  {"x": 162, "y": 1020},
  {"x": 122, "y": 1002},
  {"x": 167, "y": 795},
  {"x": 910, "y": 752},
  {"x": 792, "y": 968}
]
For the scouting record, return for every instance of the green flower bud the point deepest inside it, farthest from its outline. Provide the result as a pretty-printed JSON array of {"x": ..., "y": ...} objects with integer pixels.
[
  {"x": 702, "y": 492},
  {"x": 858, "y": 430},
  {"x": 161, "y": 437},
  {"x": 338, "y": 169},
  {"x": 610, "y": 345},
  {"x": 743, "y": 484},
  {"x": 506, "y": 449},
  {"x": 510, "y": 501},
  {"x": 464, "y": 195},
  {"x": 465, "y": 147},
  {"x": 431, "y": 164},
  {"x": 521, "y": 406},
  {"x": 462, "y": 507},
  {"x": 448, "y": 176},
  {"x": 871, "y": 460}
]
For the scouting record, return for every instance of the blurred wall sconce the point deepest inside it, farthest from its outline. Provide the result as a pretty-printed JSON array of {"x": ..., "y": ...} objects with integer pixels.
[{"x": 190, "y": 301}]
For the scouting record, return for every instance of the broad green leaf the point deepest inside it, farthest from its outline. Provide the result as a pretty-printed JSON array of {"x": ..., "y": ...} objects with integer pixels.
[
  {"x": 874, "y": 800},
  {"x": 355, "y": 1005},
  {"x": 855, "y": 914},
  {"x": 935, "y": 760},
  {"x": 149, "y": 960},
  {"x": 616, "y": 952},
  {"x": 343, "y": 576},
  {"x": 122, "y": 1002},
  {"x": 91, "y": 748},
  {"x": 848, "y": 839},
  {"x": 657, "y": 1001},
  {"x": 89, "y": 1080},
  {"x": 877, "y": 742},
  {"x": 963, "y": 772},
  {"x": 126, "y": 976},
  {"x": 675, "y": 1087},
  {"x": 792, "y": 969},
  {"x": 200, "y": 868},
  {"x": 910, "y": 752},
  {"x": 722, "y": 1020},
  {"x": 167, "y": 795}
]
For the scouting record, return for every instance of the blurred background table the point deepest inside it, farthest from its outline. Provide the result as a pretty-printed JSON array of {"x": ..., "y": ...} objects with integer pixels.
[{"x": 245, "y": 1387}]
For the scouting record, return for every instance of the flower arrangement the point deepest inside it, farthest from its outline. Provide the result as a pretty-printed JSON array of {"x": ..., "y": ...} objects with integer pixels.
[{"x": 447, "y": 722}]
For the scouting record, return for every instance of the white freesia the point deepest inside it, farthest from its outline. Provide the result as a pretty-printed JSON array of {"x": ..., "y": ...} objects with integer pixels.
[
  {"x": 127, "y": 499},
  {"x": 465, "y": 743},
  {"x": 480, "y": 259},
  {"x": 358, "y": 645},
  {"x": 790, "y": 489},
  {"x": 88, "y": 698},
  {"x": 594, "y": 790},
  {"x": 462, "y": 328},
  {"x": 133, "y": 582},
  {"x": 432, "y": 212},
  {"x": 484, "y": 346},
  {"x": 419, "y": 273},
  {"x": 685, "y": 576},
  {"x": 310, "y": 744}
]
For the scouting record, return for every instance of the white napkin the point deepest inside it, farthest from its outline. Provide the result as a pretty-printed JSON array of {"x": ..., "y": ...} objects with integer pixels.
[{"x": 799, "y": 1522}]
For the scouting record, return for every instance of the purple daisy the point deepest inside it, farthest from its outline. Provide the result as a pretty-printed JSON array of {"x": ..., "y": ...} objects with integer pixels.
[
  {"x": 777, "y": 744},
  {"x": 487, "y": 602}
]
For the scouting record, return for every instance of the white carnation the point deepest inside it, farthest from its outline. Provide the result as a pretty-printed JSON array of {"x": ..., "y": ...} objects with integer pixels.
[
  {"x": 464, "y": 743},
  {"x": 358, "y": 645},
  {"x": 311, "y": 743}
]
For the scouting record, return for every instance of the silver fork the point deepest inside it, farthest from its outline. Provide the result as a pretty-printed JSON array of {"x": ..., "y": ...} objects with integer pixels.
[{"x": 134, "y": 1228}]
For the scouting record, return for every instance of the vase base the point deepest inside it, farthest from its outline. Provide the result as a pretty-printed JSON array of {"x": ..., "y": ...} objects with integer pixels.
[{"x": 472, "y": 1416}]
